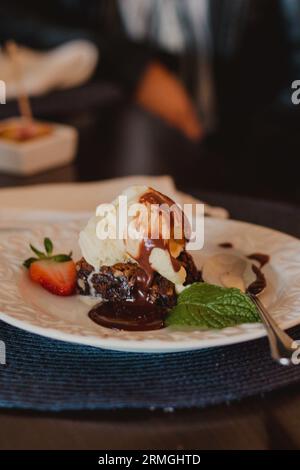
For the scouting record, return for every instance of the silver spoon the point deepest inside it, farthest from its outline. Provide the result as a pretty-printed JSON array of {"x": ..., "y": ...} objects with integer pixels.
[
  {"x": 282, "y": 346},
  {"x": 231, "y": 270}
]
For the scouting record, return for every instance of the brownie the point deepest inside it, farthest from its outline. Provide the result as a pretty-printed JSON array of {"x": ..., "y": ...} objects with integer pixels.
[{"x": 120, "y": 281}]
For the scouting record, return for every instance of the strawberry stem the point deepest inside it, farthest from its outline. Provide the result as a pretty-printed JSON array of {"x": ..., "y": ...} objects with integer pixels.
[
  {"x": 60, "y": 258},
  {"x": 39, "y": 253},
  {"x": 48, "y": 246}
]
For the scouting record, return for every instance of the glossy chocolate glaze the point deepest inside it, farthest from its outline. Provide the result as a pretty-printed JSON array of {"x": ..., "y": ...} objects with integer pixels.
[{"x": 132, "y": 316}]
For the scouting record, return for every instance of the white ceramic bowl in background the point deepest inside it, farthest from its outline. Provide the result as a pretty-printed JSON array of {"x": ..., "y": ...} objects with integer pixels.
[{"x": 38, "y": 154}]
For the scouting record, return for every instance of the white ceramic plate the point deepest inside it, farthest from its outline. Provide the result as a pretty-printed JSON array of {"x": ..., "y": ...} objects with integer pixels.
[{"x": 27, "y": 306}]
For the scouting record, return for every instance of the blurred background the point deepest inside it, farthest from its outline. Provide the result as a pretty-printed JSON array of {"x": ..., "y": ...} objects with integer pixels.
[{"x": 198, "y": 89}]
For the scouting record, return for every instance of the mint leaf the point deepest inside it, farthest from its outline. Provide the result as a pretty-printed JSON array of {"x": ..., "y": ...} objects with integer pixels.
[{"x": 208, "y": 306}]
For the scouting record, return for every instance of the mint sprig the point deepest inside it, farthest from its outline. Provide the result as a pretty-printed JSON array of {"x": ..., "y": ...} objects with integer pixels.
[
  {"x": 208, "y": 306},
  {"x": 47, "y": 255}
]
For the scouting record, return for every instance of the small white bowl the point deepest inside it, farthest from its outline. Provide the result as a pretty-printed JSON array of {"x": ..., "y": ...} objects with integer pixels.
[{"x": 40, "y": 153}]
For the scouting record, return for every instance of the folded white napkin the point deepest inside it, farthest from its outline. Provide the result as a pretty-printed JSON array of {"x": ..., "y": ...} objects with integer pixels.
[
  {"x": 59, "y": 200},
  {"x": 65, "y": 66}
]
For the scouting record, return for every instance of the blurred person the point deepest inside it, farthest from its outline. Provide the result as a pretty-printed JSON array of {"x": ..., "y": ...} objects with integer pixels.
[{"x": 199, "y": 64}]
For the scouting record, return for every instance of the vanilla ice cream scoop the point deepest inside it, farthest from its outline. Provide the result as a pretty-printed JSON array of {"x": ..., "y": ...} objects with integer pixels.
[{"x": 142, "y": 226}]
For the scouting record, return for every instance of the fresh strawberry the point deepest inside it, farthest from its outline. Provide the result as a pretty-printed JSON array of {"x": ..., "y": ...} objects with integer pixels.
[
  {"x": 57, "y": 277},
  {"x": 56, "y": 273}
]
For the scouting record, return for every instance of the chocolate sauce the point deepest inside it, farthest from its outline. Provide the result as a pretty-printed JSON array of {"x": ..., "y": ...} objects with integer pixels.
[
  {"x": 143, "y": 260},
  {"x": 131, "y": 316},
  {"x": 226, "y": 245},
  {"x": 141, "y": 286},
  {"x": 260, "y": 282},
  {"x": 260, "y": 257},
  {"x": 137, "y": 314},
  {"x": 153, "y": 197}
]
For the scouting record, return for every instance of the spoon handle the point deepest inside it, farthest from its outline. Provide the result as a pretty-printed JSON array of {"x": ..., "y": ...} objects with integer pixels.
[{"x": 281, "y": 344}]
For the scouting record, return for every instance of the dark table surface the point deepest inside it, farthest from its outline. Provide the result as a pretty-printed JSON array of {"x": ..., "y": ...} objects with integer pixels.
[{"x": 116, "y": 139}]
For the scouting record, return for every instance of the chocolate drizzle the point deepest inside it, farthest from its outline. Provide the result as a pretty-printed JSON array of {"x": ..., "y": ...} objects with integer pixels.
[
  {"x": 141, "y": 286},
  {"x": 143, "y": 258},
  {"x": 171, "y": 210},
  {"x": 260, "y": 257},
  {"x": 226, "y": 245},
  {"x": 260, "y": 282}
]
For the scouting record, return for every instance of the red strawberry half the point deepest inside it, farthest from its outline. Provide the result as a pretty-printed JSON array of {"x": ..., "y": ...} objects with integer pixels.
[
  {"x": 56, "y": 273},
  {"x": 57, "y": 277}
]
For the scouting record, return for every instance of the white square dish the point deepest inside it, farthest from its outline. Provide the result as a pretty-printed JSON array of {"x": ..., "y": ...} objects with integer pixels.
[{"x": 40, "y": 153}]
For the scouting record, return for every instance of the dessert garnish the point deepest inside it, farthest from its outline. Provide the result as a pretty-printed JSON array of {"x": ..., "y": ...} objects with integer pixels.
[
  {"x": 209, "y": 306},
  {"x": 56, "y": 273}
]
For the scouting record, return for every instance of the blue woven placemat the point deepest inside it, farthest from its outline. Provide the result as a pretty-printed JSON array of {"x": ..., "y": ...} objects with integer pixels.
[{"x": 46, "y": 374}]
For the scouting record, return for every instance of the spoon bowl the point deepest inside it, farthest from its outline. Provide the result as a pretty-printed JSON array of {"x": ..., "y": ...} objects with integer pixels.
[{"x": 231, "y": 270}]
